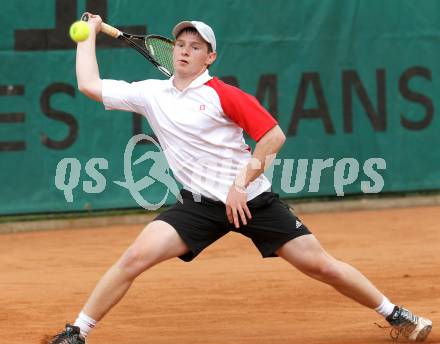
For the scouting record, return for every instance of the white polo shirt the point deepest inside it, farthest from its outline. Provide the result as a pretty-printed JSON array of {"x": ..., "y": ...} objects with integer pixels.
[{"x": 200, "y": 129}]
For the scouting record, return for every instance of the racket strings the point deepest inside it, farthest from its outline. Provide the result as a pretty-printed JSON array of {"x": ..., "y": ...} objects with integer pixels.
[
  {"x": 161, "y": 51},
  {"x": 135, "y": 46}
]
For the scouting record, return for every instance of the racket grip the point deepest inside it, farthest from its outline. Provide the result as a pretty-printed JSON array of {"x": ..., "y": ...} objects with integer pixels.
[
  {"x": 107, "y": 29},
  {"x": 110, "y": 30}
]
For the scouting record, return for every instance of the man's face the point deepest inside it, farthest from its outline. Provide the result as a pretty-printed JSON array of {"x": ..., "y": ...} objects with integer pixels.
[{"x": 190, "y": 55}]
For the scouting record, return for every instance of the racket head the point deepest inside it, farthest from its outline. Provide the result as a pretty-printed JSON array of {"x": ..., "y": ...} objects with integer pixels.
[
  {"x": 157, "y": 49},
  {"x": 161, "y": 50}
]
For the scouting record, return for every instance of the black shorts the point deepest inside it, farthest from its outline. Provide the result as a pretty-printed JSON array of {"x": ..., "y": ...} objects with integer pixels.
[{"x": 201, "y": 223}]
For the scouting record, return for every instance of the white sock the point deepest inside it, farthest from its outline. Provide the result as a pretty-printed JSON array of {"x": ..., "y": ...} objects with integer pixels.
[
  {"x": 385, "y": 308},
  {"x": 85, "y": 323}
]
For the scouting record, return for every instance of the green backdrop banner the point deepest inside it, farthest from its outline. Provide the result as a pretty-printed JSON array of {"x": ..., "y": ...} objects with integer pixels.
[{"x": 353, "y": 85}]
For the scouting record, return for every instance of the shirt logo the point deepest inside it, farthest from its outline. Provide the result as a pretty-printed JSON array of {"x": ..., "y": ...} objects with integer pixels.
[
  {"x": 298, "y": 224},
  {"x": 202, "y": 107}
]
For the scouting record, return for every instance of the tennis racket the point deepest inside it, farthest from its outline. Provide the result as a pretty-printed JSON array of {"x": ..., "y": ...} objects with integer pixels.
[{"x": 156, "y": 49}]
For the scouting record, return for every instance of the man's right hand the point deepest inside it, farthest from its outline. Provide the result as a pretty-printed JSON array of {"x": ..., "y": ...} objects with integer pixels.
[{"x": 95, "y": 22}]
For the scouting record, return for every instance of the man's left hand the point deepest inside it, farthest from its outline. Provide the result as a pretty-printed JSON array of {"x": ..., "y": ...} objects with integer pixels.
[{"x": 236, "y": 206}]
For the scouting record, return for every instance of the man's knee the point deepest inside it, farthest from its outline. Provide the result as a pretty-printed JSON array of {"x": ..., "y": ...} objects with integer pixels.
[
  {"x": 329, "y": 271},
  {"x": 307, "y": 255},
  {"x": 146, "y": 251},
  {"x": 135, "y": 260}
]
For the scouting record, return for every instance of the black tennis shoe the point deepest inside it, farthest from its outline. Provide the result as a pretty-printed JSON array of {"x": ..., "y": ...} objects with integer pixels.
[{"x": 71, "y": 335}]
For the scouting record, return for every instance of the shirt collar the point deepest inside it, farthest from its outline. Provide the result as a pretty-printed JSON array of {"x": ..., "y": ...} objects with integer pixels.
[{"x": 199, "y": 81}]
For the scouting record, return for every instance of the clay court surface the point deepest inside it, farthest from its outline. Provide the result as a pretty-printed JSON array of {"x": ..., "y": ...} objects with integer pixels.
[{"x": 228, "y": 294}]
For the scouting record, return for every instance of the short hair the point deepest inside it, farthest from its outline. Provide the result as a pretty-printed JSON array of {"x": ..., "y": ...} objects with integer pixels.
[{"x": 193, "y": 30}]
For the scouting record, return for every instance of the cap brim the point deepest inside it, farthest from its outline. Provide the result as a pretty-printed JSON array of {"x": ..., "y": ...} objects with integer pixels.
[{"x": 182, "y": 25}]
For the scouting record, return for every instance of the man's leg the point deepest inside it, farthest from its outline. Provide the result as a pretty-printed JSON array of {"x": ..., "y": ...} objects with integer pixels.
[
  {"x": 307, "y": 255},
  {"x": 158, "y": 242}
]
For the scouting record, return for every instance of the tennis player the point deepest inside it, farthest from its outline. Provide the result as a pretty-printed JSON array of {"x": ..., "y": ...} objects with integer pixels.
[{"x": 199, "y": 122}]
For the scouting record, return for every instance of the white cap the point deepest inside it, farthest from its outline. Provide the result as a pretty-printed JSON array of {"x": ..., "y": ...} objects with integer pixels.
[{"x": 204, "y": 30}]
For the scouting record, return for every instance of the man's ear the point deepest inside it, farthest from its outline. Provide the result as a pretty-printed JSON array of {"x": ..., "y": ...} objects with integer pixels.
[{"x": 211, "y": 58}]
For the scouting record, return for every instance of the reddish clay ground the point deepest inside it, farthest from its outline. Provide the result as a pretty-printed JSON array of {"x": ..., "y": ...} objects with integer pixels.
[{"x": 229, "y": 294}]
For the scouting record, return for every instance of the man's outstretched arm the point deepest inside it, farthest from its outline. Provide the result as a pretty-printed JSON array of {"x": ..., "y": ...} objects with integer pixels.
[{"x": 87, "y": 71}]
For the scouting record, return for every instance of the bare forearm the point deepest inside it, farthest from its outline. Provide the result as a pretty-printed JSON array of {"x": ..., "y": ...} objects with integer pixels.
[
  {"x": 87, "y": 71},
  {"x": 264, "y": 153}
]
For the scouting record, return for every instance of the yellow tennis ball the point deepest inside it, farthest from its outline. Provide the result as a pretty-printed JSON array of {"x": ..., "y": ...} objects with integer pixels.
[{"x": 79, "y": 31}]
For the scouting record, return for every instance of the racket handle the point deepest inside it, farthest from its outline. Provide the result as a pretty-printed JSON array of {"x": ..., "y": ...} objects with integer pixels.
[
  {"x": 110, "y": 30},
  {"x": 107, "y": 29}
]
